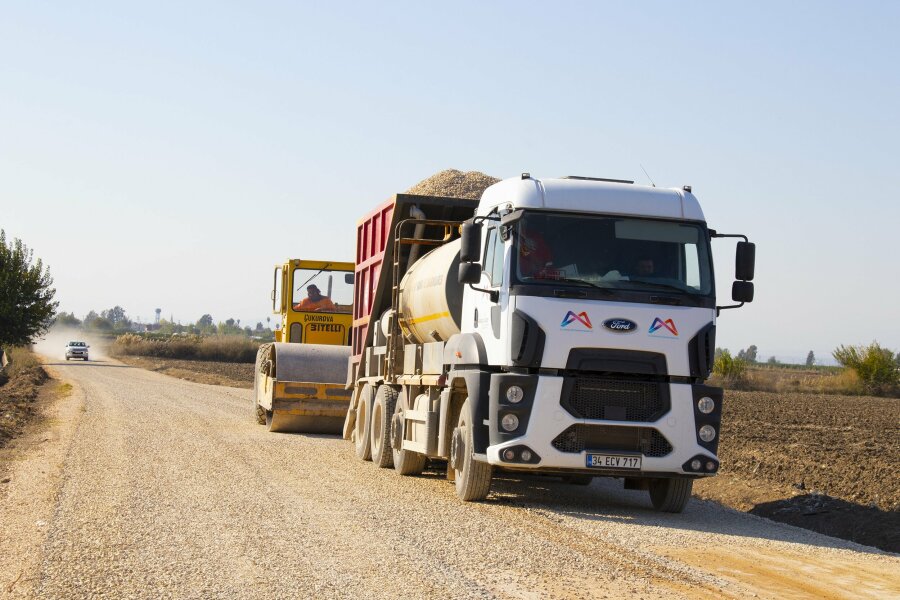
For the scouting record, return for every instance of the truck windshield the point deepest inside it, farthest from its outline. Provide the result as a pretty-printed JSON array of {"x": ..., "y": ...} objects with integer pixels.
[
  {"x": 613, "y": 253},
  {"x": 322, "y": 290}
]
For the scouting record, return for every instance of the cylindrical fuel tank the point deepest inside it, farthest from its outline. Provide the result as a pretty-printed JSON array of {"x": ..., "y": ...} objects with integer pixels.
[{"x": 431, "y": 296}]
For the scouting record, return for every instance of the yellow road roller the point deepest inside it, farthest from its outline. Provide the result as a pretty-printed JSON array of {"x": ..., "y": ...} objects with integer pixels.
[{"x": 299, "y": 381}]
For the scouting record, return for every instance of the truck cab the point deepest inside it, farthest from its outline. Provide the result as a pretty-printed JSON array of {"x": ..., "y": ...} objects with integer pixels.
[{"x": 595, "y": 305}]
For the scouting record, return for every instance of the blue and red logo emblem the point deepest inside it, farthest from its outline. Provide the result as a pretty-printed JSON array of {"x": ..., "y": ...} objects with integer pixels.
[
  {"x": 663, "y": 328},
  {"x": 578, "y": 319}
]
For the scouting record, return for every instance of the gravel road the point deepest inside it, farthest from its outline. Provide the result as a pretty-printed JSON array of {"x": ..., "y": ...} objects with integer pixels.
[{"x": 144, "y": 486}]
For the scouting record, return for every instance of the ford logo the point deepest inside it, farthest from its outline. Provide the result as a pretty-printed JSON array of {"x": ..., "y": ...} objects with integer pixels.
[{"x": 620, "y": 325}]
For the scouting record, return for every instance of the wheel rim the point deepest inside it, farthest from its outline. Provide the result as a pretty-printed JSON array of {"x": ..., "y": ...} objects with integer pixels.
[
  {"x": 360, "y": 422},
  {"x": 459, "y": 437},
  {"x": 377, "y": 428}
]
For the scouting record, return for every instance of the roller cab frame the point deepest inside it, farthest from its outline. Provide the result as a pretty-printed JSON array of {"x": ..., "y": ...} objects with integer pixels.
[{"x": 299, "y": 380}]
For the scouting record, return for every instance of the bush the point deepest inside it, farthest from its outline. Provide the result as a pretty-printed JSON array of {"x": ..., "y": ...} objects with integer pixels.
[
  {"x": 730, "y": 370},
  {"x": 875, "y": 366},
  {"x": 236, "y": 349}
]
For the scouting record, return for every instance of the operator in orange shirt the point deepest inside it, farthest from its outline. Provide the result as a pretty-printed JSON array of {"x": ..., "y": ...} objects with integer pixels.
[{"x": 315, "y": 301}]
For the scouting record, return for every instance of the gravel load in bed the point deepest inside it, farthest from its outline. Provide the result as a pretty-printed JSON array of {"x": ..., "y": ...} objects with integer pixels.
[{"x": 454, "y": 184}]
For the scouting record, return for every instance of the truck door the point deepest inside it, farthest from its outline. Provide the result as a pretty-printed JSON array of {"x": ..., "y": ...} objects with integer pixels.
[{"x": 490, "y": 319}]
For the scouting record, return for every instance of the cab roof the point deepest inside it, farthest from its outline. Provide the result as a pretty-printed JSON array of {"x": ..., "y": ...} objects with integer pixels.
[{"x": 592, "y": 196}]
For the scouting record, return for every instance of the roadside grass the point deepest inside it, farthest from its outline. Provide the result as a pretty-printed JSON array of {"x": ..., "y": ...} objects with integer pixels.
[
  {"x": 832, "y": 380},
  {"x": 226, "y": 348}
]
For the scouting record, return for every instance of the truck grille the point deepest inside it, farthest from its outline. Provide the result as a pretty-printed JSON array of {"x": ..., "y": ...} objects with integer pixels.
[
  {"x": 602, "y": 398},
  {"x": 612, "y": 438}
]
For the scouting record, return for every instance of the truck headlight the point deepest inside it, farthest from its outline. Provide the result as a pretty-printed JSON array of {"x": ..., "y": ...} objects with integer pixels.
[
  {"x": 515, "y": 394},
  {"x": 509, "y": 422},
  {"x": 707, "y": 433},
  {"x": 706, "y": 405}
]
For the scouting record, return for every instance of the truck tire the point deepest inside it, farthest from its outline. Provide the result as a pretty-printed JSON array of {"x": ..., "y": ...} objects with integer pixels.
[
  {"x": 472, "y": 478},
  {"x": 406, "y": 462},
  {"x": 380, "y": 430},
  {"x": 363, "y": 429},
  {"x": 670, "y": 495}
]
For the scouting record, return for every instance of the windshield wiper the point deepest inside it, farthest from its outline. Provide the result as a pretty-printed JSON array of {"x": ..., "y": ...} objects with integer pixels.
[
  {"x": 667, "y": 286},
  {"x": 311, "y": 277},
  {"x": 584, "y": 282}
]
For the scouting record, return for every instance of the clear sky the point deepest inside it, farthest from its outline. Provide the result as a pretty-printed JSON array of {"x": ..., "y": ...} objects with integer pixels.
[{"x": 167, "y": 154}]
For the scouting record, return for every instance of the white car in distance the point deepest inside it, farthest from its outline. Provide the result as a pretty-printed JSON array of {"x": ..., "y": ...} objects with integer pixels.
[{"x": 77, "y": 350}]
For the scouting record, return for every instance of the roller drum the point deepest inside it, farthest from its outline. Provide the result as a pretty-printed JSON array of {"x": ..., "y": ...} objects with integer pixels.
[{"x": 309, "y": 364}]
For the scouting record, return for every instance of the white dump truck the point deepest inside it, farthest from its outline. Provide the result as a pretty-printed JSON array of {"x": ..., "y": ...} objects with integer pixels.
[{"x": 562, "y": 327}]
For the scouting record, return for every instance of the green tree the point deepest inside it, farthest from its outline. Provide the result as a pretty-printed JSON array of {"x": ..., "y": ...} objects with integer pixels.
[
  {"x": 117, "y": 317},
  {"x": 67, "y": 320},
  {"x": 732, "y": 370},
  {"x": 748, "y": 355},
  {"x": 875, "y": 366},
  {"x": 205, "y": 321},
  {"x": 27, "y": 307},
  {"x": 772, "y": 361},
  {"x": 810, "y": 359}
]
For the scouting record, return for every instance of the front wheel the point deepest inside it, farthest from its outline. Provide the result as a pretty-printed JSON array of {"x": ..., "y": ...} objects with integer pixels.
[
  {"x": 472, "y": 478},
  {"x": 670, "y": 495}
]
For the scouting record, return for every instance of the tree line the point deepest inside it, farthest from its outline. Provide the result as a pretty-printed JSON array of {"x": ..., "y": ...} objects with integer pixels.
[{"x": 116, "y": 320}]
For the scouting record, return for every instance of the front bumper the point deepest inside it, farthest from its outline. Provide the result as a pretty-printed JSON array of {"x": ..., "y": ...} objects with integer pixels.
[{"x": 668, "y": 445}]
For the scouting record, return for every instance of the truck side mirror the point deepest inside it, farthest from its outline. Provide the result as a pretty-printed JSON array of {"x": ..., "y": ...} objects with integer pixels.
[
  {"x": 470, "y": 245},
  {"x": 742, "y": 291},
  {"x": 349, "y": 278},
  {"x": 744, "y": 262},
  {"x": 469, "y": 272}
]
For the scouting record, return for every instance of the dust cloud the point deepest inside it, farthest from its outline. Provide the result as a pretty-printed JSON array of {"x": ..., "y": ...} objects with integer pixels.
[{"x": 53, "y": 344}]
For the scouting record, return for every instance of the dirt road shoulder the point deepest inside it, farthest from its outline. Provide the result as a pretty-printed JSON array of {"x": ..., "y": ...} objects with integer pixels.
[{"x": 31, "y": 470}]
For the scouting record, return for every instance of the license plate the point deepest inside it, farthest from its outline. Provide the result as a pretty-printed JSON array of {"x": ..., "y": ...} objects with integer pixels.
[{"x": 612, "y": 461}]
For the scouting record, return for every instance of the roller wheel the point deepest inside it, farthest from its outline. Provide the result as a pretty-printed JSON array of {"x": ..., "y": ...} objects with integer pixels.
[
  {"x": 363, "y": 429},
  {"x": 258, "y": 411},
  {"x": 380, "y": 430},
  {"x": 269, "y": 418},
  {"x": 473, "y": 478},
  {"x": 406, "y": 462},
  {"x": 670, "y": 495}
]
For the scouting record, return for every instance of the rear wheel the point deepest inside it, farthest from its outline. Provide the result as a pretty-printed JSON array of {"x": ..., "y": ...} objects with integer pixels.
[
  {"x": 363, "y": 429},
  {"x": 473, "y": 478},
  {"x": 269, "y": 417},
  {"x": 406, "y": 462},
  {"x": 670, "y": 495},
  {"x": 380, "y": 433}
]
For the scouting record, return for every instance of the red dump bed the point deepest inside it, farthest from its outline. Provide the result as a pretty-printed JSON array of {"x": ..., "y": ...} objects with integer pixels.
[
  {"x": 374, "y": 254},
  {"x": 372, "y": 234}
]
